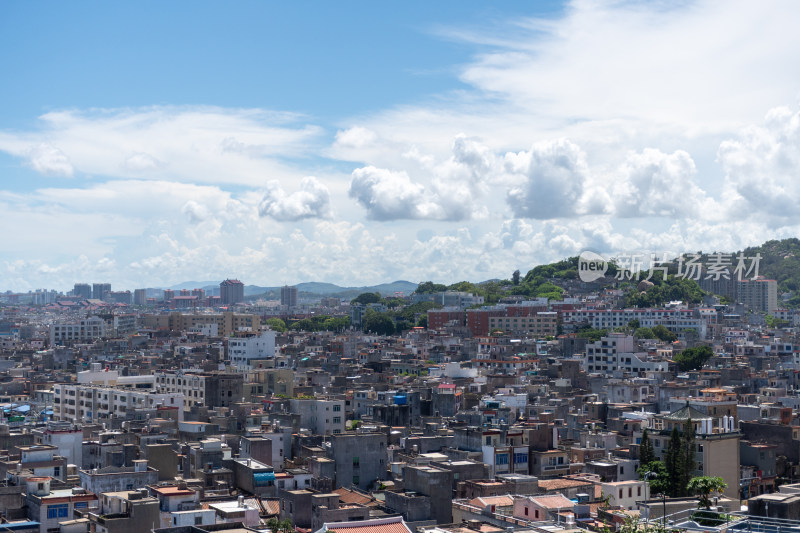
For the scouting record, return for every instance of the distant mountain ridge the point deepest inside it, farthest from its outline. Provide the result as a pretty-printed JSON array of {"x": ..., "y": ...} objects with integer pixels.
[{"x": 313, "y": 288}]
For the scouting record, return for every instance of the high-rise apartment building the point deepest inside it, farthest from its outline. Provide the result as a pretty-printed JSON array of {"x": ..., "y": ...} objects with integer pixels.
[
  {"x": 119, "y": 297},
  {"x": 99, "y": 290},
  {"x": 758, "y": 294},
  {"x": 289, "y": 296},
  {"x": 231, "y": 291},
  {"x": 140, "y": 297},
  {"x": 82, "y": 290}
]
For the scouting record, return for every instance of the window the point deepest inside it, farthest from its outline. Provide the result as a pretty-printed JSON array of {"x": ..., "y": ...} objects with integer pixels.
[
  {"x": 60, "y": 510},
  {"x": 337, "y": 419},
  {"x": 355, "y": 461},
  {"x": 520, "y": 458},
  {"x": 81, "y": 505},
  {"x": 337, "y": 408},
  {"x": 355, "y": 480}
]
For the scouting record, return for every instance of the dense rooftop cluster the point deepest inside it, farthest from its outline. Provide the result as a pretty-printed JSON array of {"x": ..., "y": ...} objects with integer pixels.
[{"x": 194, "y": 412}]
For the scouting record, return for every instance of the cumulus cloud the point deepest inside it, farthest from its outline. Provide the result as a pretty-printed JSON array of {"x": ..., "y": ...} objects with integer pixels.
[
  {"x": 762, "y": 165},
  {"x": 652, "y": 183},
  {"x": 47, "y": 159},
  {"x": 194, "y": 211},
  {"x": 388, "y": 195},
  {"x": 464, "y": 158},
  {"x": 474, "y": 156},
  {"x": 355, "y": 137},
  {"x": 553, "y": 176},
  {"x": 311, "y": 201}
]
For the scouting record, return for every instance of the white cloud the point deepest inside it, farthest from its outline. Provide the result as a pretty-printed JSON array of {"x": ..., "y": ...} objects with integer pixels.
[
  {"x": 652, "y": 183},
  {"x": 47, "y": 159},
  {"x": 355, "y": 137},
  {"x": 195, "y": 212},
  {"x": 140, "y": 162},
  {"x": 566, "y": 131},
  {"x": 613, "y": 61},
  {"x": 191, "y": 144},
  {"x": 311, "y": 201},
  {"x": 553, "y": 174},
  {"x": 762, "y": 167},
  {"x": 388, "y": 195}
]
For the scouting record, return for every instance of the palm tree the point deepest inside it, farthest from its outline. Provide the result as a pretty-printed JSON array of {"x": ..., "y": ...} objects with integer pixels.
[{"x": 704, "y": 486}]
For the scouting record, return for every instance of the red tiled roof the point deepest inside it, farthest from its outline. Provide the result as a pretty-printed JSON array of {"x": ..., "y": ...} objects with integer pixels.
[
  {"x": 350, "y": 496},
  {"x": 499, "y": 501},
  {"x": 556, "y": 501},
  {"x": 561, "y": 484},
  {"x": 382, "y": 525},
  {"x": 271, "y": 507}
]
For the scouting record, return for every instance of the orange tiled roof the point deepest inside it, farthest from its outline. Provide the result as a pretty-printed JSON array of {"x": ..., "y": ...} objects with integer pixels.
[
  {"x": 271, "y": 507},
  {"x": 556, "y": 501},
  {"x": 351, "y": 496},
  {"x": 560, "y": 484},
  {"x": 382, "y": 525},
  {"x": 499, "y": 501}
]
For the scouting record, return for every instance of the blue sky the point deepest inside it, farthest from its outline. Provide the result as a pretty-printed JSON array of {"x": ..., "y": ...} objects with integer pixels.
[
  {"x": 145, "y": 144},
  {"x": 324, "y": 59}
]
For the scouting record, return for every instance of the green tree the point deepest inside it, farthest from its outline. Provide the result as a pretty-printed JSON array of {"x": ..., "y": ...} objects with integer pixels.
[
  {"x": 656, "y": 474},
  {"x": 688, "y": 454},
  {"x": 411, "y": 312},
  {"x": 515, "y": 278},
  {"x": 402, "y": 325},
  {"x": 462, "y": 286},
  {"x": 674, "y": 458},
  {"x": 336, "y": 323},
  {"x": 304, "y": 324},
  {"x": 276, "y": 324},
  {"x": 366, "y": 298},
  {"x": 427, "y": 287},
  {"x": 646, "y": 453},
  {"x": 634, "y": 324},
  {"x": 393, "y": 302},
  {"x": 704, "y": 486},
  {"x": 592, "y": 335},
  {"x": 694, "y": 358},
  {"x": 663, "y": 334},
  {"x": 423, "y": 321},
  {"x": 644, "y": 333},
  {"x": 379, "y": 323}
]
